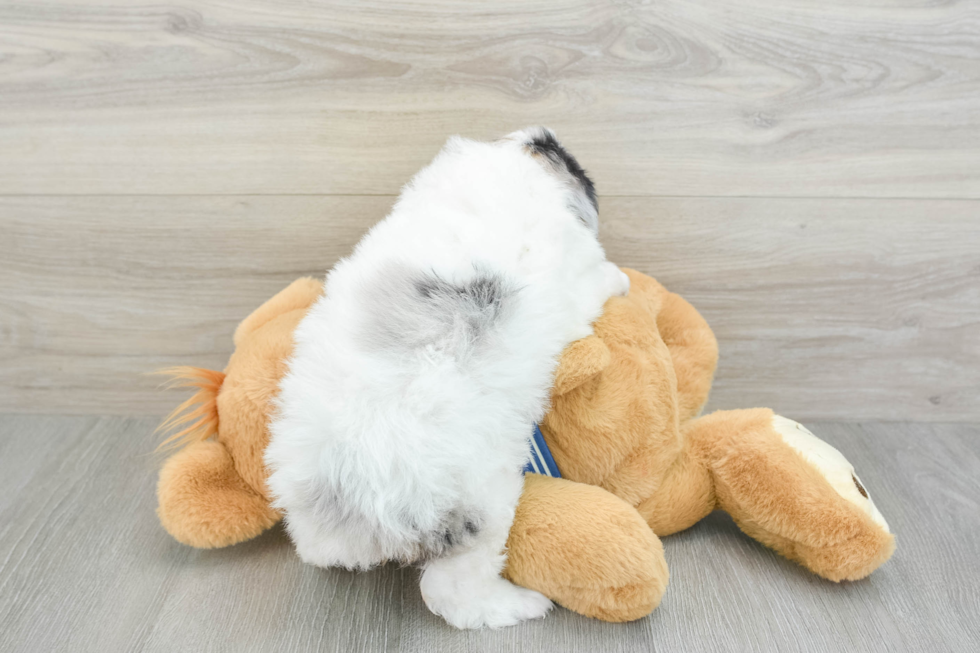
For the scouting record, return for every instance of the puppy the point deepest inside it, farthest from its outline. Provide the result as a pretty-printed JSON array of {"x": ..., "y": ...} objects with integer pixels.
[{"x": 403, "y": 422}]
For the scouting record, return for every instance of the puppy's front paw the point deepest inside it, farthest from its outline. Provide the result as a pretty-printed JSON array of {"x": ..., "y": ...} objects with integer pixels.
[
  {"x": 624, "y": 287},
  {"x": 618, "y": 282}
]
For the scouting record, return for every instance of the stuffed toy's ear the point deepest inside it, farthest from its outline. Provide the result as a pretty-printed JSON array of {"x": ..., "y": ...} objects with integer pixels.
[{"x": 580, "y": 361}]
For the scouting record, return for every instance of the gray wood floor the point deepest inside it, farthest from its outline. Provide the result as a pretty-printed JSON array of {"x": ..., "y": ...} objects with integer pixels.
[{"x": 84, "y": 566}]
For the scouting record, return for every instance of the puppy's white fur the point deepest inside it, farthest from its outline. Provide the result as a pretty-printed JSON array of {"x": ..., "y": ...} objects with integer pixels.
[{"x": 403, "y": 421}]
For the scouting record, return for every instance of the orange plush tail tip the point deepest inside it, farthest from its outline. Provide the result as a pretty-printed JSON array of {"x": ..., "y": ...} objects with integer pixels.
[{"x": 201, "y": 422}]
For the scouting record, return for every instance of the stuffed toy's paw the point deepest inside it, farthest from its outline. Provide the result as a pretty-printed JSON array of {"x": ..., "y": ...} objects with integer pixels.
[
  {"x": 586, "y": 549},
  {"x": 205, "y": 503},
  {"x": 796, "y": 494},
  {"x": 831, "y": 464}
]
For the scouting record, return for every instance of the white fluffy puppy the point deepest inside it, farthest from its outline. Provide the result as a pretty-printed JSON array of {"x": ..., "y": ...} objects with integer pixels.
[{"x": 404, "y": 419}]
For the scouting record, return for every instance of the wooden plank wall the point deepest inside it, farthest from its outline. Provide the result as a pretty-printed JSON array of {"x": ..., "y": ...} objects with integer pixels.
[{"x": 806, "y": 173}]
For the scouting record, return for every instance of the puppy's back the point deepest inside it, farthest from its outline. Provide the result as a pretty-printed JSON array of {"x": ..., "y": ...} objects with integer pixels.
[{"x": 409, "y": 310}]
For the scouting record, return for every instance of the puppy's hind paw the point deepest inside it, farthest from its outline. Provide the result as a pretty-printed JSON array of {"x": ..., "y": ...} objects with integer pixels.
[
  {"x": 497, "y": 605},
  {"x": 523, "y": 605}
]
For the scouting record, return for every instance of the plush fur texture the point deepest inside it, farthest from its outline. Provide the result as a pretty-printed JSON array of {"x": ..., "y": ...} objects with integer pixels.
[
  {"x": 624, "y": 418},
  {"x": 402, "y": 423},
  {"x": 587, "y": 549},
  {"x": 207, "y": 492},
  {"x": 624, "y": 428}
]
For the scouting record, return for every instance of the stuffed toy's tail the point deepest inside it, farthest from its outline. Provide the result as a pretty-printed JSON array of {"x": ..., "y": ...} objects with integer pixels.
[
  {"x": 201, "y": 422},
  {"x": 203, "y": 500}
]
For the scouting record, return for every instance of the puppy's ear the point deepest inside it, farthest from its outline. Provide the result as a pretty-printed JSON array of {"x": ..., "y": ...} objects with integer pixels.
[{"x": 580, "y": 361}]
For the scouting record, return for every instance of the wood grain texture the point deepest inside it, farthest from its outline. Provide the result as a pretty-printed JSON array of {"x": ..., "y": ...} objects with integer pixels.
[
  {"x": 824, "y": 309},
  {"x": 84, "y": 566},
  {"x": 678, "y": 97}
]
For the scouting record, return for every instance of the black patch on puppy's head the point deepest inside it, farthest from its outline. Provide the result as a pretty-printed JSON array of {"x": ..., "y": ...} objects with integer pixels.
[{"x": 545, "y": 144}]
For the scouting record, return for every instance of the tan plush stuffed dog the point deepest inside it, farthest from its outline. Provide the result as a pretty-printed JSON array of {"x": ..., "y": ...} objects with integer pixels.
[{"x": 636, "y": 460}]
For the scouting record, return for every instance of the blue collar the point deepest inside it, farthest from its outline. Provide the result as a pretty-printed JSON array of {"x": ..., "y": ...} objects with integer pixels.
[{"x": 540, "y": 461}]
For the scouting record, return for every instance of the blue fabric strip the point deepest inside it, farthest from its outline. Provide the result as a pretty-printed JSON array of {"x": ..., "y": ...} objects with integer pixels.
[{"x": 540, "y": 461}]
